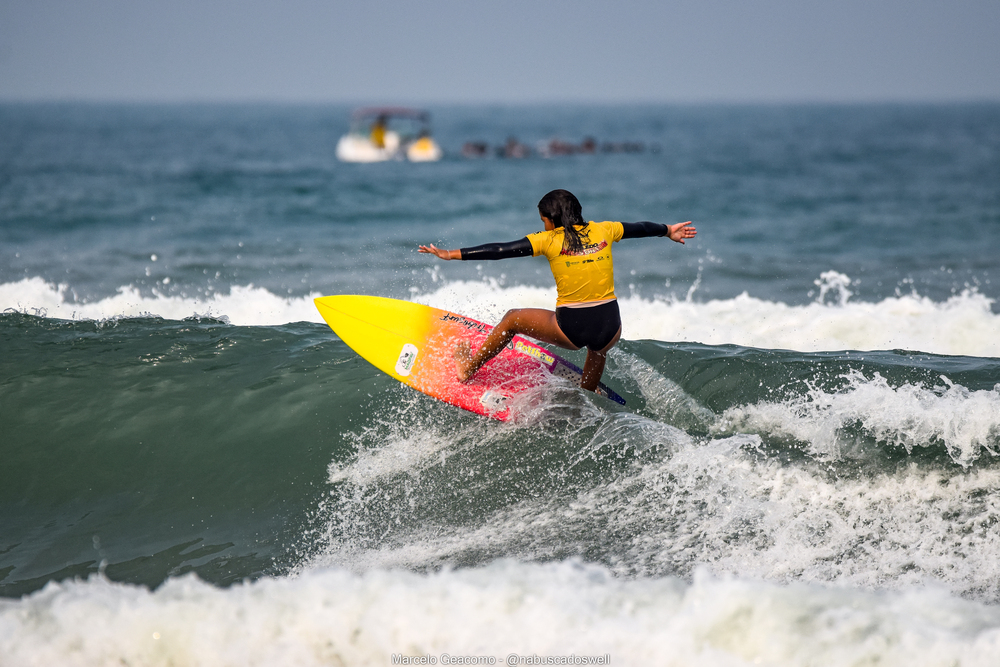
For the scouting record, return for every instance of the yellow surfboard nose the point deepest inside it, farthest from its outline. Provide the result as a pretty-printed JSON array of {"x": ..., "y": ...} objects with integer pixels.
[{"x": 378, "y": 328}]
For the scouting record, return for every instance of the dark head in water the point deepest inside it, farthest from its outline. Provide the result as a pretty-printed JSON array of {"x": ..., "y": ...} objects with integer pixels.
[{"x": 564, "y": 210}]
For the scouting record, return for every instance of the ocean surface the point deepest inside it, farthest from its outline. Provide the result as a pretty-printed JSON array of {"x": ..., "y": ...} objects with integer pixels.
[{"x": 195, "y": 470}]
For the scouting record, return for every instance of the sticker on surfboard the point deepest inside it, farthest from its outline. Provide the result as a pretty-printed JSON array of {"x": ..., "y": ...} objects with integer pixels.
[
  {"x": 493, "y": 400},
  {"x": 408, "y": 355}
]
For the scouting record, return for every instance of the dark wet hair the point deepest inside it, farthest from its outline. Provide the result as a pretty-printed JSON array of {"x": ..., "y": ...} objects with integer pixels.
[{"x": 564, "y": 210}]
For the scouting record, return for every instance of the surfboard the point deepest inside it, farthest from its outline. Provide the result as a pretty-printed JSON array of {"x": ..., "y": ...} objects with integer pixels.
[{"x": 415, "y": 344}]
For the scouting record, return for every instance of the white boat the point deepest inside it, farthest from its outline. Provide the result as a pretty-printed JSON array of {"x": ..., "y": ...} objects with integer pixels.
[{"x": 379, "y": 134}]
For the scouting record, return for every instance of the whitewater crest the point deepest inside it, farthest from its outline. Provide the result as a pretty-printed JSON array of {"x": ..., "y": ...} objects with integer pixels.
[
  {"x": 331, "y": 616},
  {"x": 964, "y": 324},
  {"x": 244, "y": 305},
  {"x": 963, "y": 422}
]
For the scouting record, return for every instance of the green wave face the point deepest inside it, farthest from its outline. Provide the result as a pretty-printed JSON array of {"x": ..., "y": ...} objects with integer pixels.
[{"x": 147, "y": 448}]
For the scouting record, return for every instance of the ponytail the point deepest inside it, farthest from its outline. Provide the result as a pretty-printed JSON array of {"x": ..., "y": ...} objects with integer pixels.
[{"x": 564, "y": 210}]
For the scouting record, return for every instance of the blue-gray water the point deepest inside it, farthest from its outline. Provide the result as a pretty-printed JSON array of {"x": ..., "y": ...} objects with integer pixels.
[{"x": 812, "y": 384}]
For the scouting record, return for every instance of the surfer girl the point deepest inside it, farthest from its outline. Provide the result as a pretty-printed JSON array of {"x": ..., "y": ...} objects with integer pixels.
[{"x": 579, "y": 254}]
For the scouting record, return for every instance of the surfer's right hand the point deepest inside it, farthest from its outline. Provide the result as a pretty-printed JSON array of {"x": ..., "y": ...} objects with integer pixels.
[{"x": 440, "y": 252}]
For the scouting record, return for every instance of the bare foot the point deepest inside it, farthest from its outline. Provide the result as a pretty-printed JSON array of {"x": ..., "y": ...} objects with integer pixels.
[{"x": 463, "y": 359}]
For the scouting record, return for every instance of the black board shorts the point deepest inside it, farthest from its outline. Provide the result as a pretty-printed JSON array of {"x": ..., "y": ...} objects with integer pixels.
[{"x": 591, "y": 326}]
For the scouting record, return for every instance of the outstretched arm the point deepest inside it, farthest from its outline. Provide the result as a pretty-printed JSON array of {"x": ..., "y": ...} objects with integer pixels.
[
  {"x": 678, "y": 232},
  {"x": 519, "y": 248}
]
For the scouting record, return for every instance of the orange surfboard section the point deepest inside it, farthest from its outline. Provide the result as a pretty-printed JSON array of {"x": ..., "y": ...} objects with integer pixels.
[{"x": 415, "y": 344}]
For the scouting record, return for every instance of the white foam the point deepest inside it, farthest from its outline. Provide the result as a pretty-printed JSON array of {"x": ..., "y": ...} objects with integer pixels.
[
  {"x": 722, "y": 502},
  {"x": 962, "y": 325},
  {"x": 408, "y": 447},
  {"x": 244, "y": 305},
  {"x": 719, "y": 505},
  {"x": 331, "y": 616},
  {"x": 966, "y": 423}
]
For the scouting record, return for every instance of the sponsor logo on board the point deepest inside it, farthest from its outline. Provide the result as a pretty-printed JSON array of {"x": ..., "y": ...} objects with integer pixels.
[
  {"x": 465, "y": 322},
  {"x": 408, "y": 355},
  {"x": 492, "y": 400},
  {"x": 532, "y": 351}
]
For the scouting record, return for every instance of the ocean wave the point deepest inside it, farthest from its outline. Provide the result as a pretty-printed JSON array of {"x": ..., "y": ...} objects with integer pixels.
[
  {"x": 244, "y": 305},
  {"x": 287, "y": 421},
  {"x": 964, "y": 324},
  {"x": 563, "y": 610},
  {"x": 965, "y": 423},
  {"x": 648, "y": 500}
]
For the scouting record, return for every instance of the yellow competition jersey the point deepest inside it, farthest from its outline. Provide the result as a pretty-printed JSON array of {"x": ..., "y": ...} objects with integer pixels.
[{"x": 585, "y": 277}]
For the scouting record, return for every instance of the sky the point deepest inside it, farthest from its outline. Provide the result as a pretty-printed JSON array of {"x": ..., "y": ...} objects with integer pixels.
[{"x": 506, "y": 51}]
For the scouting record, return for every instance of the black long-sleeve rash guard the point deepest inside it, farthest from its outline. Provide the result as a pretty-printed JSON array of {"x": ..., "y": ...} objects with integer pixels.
[
  {"x": 522, "y": 247},
  {"x": 518, "y": 248},
  {"x": 640, "y": 230}
]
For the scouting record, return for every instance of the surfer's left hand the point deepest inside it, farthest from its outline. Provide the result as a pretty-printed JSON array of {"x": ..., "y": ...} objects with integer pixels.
[{"x": 681, "y": 231}]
